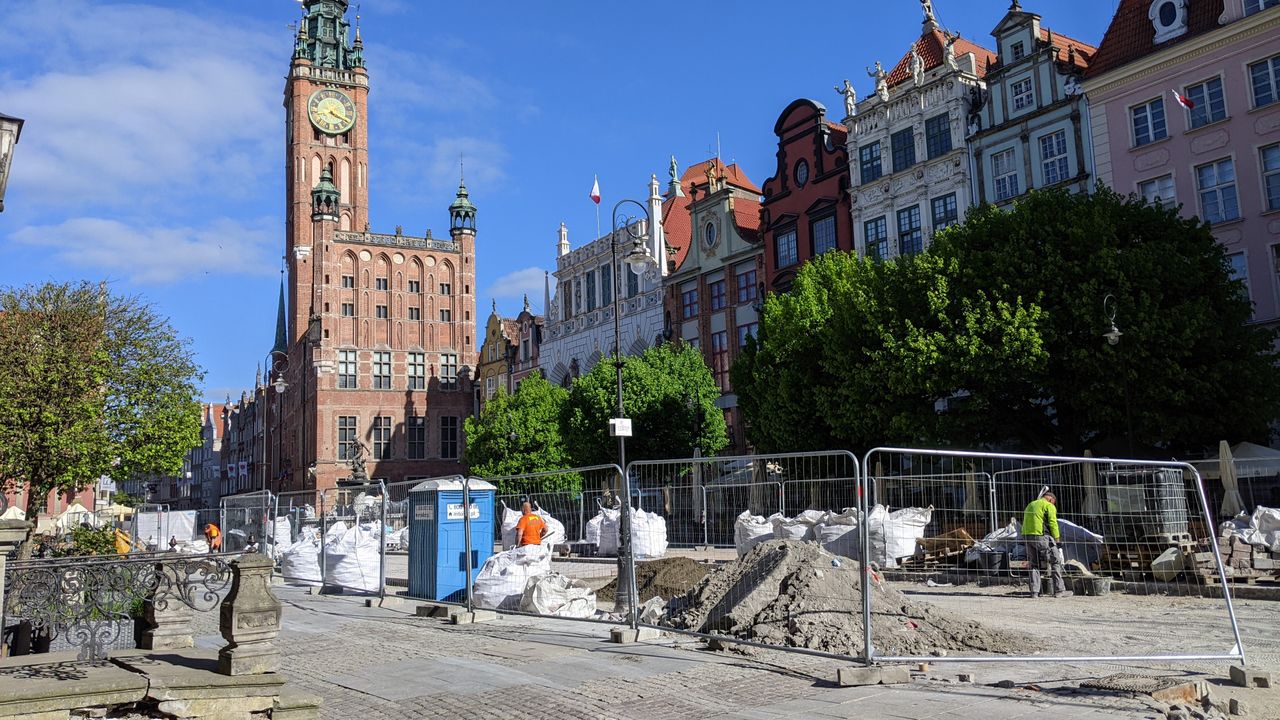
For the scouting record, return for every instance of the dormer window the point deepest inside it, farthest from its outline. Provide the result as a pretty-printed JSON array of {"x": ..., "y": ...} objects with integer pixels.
[
  {"x": 1169, "y": 17},
  {"x": 1018, "y": 50}
]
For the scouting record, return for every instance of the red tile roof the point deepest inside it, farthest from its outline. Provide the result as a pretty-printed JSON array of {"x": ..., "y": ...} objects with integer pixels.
[
  {"x": 929, "y": 45},
  {"x": 1083, "y": 51},
  {"x": 1131, "y": 34}
]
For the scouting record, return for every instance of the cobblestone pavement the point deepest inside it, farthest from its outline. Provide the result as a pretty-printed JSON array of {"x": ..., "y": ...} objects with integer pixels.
[{"x": 387, "y": 663}]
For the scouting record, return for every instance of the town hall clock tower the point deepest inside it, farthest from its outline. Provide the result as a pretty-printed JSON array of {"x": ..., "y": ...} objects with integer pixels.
[{"x": 376, "y": 332}]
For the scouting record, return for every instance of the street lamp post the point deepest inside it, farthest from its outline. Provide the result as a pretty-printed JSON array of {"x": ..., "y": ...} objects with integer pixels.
[
  {"x": 637, "y": 258},
  {"x": 1112, "y": 337}
]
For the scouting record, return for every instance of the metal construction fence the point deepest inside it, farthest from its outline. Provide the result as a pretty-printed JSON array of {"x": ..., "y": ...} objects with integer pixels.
[
  {"x": 248, "y": 522},
  {"x": 908, "y": 555}
]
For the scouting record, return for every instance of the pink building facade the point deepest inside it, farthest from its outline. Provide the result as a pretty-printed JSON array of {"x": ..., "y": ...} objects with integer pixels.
[{"x": 1218, "y": 160}]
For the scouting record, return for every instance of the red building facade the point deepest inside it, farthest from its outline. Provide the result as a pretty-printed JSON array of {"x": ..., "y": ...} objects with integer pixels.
[{"x": 805, "y": 211}]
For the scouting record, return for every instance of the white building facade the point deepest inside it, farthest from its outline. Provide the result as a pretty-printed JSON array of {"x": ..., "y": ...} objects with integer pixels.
[
  {"x": 579, "y": 319},
  {"x": 1034, "y": 130},
  {"x": 909, "y": 166}
]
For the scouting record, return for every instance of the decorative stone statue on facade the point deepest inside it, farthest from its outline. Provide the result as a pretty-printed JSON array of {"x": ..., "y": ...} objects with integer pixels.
[
  {"x": 850, "y": 98},
  {"x": 882, "y": 81},
  {"x": 917, "y": 66},
  {"x": 949, "y": 50},
  {"x": 359, "y": 473}
]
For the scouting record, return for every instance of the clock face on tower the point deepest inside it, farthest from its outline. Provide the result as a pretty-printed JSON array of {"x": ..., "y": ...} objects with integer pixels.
[{"x": 331, "y": 111}]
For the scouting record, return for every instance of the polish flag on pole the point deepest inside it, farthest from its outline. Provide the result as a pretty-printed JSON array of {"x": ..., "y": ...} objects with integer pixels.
[
  {"x": 595, "y": 191},
  {"x": 1183, "y": 100}
]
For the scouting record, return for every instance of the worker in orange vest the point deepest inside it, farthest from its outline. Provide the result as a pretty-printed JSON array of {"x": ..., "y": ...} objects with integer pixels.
[
  {"x": 214, "y": 536},
  {"x": 531, "y": 528}
]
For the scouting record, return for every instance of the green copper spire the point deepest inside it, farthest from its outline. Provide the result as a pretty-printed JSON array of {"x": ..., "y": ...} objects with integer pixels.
[
  {"x": 325, "y": 197},
  {"x": 462, "y": 214},
  {"x": 281, "y": 347},
  {"x": 323, "y": 36}
]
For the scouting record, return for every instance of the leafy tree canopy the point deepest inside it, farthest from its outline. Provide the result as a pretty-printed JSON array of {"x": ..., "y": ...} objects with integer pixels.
[
  {"x": 91, "y": 384},
  {"x": 995, "y": 337},
  {"x": 519, "y": 433},
  {"x": 668, "y": 393}
]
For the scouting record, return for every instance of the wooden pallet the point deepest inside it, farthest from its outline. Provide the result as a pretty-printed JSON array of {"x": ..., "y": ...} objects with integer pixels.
[{"x": 932, "y": 560}]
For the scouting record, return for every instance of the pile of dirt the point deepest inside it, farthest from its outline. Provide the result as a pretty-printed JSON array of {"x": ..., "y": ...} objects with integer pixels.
[
  {"x": 666, "y": 578},
  {"x": 794, "y": 593}
]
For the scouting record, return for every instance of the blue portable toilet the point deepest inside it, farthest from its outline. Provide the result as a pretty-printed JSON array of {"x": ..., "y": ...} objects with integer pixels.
[{"x": 437, "y": 536}]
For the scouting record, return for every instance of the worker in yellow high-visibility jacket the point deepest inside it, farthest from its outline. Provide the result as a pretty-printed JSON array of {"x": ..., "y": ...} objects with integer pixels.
[{"x": 1041, "y": 535}]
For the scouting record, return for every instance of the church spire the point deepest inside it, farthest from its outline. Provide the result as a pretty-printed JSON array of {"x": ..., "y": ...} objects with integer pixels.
[{"x": 281, "y": 347}]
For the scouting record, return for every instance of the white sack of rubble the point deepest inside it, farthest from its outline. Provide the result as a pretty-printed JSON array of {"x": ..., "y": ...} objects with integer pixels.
[
  {"x": 648, "y": 535},
  {"x": 300, "y": 562},
  {"x": 610, "y": 520},
  {"x": 353, "y": 560},
  {"x": 502, "y": 579},
  {"x": 838, "y": 533},
  {"x": 510, "y": 518},
  {"x": 893, "y": 535},
  {"x": 750, "y": 530},
  {"x": 1262, "y": 528},
  {"x": 799, "y": 527},
  {"x": 558, "y": 595}
]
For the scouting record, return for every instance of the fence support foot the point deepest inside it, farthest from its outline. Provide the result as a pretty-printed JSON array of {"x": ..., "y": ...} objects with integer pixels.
[
  {"x": 475, "y": 616},
  {"x": 887, "y": 675},
  {"x": 434, "y": 610},
  {"x": 626, "y": 636}
]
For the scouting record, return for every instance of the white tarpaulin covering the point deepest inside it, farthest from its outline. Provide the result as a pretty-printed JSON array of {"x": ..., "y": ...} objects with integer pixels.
[
  {"x": 157, "y": 527},
  {"x": 1077, "y": 543},
  {"x": 1262, "y": 528},
  {"x": 502, "y": 580},
  {"x": 556, "y": 594}
]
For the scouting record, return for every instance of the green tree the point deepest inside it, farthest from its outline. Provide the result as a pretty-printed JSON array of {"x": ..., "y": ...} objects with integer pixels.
[
  {"x": 1189, "y": 369},
  {"x": 668, "y": 393},
  {"x": 91, "y": 384},
  {"x": 519, "y": 433},
  {"x": 859, "y": 353}
]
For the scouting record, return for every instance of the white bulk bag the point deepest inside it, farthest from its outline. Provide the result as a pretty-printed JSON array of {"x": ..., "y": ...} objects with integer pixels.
[
  {"x": 609, "y": 526},
  {"x": 556, "y": 594},
  {"x": 502, "y": 579},
  {"x": 300, "y": 562},
  {"x": 592, "y": 533},
  {"x": 555, "y": 529},
  {"x": 648, "y": 535},
  {"x": 509, "y": 519},
  {"x": 353, "y": 560},
  {"x": 785, "y": 528},
  {"x": 838, "y": 533},
  {"x": 750, "y": 530},
  {"x": 893, "y": 535}
]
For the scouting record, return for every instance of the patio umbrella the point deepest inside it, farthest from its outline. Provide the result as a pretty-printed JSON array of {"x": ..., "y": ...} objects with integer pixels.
[
  {"x": 1092, "y": 505},
  {"x": 972, "y": 501},
  {"x": 117, "y": 510},
  {"x": 1232, "y": 503}
]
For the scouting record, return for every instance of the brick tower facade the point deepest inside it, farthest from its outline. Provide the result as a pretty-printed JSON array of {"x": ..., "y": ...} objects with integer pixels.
[{"x": 374, "y": 352}]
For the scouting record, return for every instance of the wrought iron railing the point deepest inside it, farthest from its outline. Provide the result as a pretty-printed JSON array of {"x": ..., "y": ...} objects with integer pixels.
[{"x": 91, "y": 601}]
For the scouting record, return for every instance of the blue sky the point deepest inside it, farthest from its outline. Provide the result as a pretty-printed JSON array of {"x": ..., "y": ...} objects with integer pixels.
[{"x": 152, "y": 155}]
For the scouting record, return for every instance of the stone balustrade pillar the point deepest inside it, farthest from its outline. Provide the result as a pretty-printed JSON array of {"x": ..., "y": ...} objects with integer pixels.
[
  {"x": 249, "y": 619},
  {"x": 168, "y": 618}
]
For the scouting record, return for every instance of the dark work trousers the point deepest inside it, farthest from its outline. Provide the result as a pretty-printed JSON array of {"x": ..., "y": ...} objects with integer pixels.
[{"x": 1040, "y": 557}]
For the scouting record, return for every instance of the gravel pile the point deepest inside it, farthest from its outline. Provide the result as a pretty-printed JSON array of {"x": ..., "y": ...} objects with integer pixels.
[
  {"x": 794, "y": 593},
  {"x": 666, "y": 578}
]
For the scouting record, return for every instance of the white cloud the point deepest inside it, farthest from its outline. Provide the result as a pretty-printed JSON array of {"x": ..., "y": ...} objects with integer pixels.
[
  {"x": 433, "y": 168},
  {"x": 516, "y": 285},
  {"x": 131, "y": 99},
  {"x": 160, "y": 254}
]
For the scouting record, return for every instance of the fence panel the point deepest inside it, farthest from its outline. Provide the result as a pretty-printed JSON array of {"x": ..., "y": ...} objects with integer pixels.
[
  {"x": 802, "y": 596},
  {"x": 1129, "y": 529},
  {"x": 248, "y": 522},
  {"x": 300, "y": 554},
  {"x": 574, "y": 573}
]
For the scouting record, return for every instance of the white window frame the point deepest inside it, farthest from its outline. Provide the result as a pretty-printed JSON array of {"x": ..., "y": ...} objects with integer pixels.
[
  {"x": 1151, "y": 128},
  {"x": 1257, "y": 6},
  {"x": 1059, "y": 162},
  {"x": 1270, "y": 174},
  {"x": 1202, "y": 100},
  {"x": 1218, "y": 189},
  {"x": 1156, "y": 184},
  {"x": 1004, "y": 184},
  {"x": 1022, "y": 99},
  {"x": 1272, "y": 70}
]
